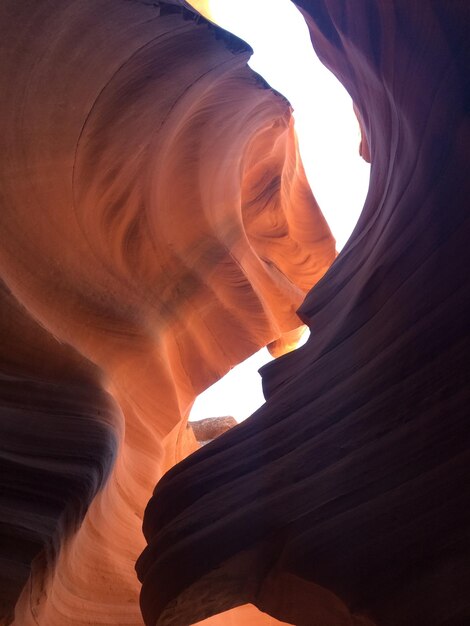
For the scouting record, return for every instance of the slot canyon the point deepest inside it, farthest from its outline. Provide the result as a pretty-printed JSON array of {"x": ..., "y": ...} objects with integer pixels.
[{"x": 157, "y": 228}]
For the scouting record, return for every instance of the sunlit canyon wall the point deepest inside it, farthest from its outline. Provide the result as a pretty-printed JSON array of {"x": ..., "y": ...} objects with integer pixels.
[{"x": 156, "y": 229}]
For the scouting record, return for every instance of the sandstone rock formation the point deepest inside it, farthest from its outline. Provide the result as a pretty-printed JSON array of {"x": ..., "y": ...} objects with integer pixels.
[
  {"x": 156, "y": 229},
  {"x": 206, "y": 430},
  {"x": 345, "y": 499}
]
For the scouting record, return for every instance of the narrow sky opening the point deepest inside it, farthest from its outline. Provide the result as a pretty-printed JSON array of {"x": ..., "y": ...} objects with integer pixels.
[
  {"x": 239, "y": 392},
  {"x": 325, "y": 122},
  {"x": 329, "y": 137}
]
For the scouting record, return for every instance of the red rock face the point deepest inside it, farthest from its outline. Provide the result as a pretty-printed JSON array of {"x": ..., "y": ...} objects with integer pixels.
[
  {"x": 157, "y": 228},
  {"x": 345, "y": 499}
]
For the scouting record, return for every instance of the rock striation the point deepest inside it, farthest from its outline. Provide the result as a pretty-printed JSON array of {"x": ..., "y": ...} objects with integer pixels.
[
  {"x": 345, "y": 499},
  {"x": 157, "y": 228}
]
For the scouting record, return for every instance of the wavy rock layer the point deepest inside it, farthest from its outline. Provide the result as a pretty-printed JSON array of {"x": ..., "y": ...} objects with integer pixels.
[
  {"x": 345, "y": 499},
  {"x": 157, "y": 228}
]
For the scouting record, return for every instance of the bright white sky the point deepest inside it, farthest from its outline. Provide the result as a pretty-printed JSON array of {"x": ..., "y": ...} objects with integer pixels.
[{"x": 329, "y": 138}]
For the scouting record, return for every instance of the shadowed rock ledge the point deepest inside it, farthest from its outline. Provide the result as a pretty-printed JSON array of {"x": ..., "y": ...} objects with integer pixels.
[{"x": 345, "y": 499}]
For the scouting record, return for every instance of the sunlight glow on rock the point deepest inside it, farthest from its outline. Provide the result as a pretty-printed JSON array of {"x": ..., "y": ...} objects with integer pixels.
[
  {"x": 326, "y": 125},
  {"x": 328, "y": 134}
]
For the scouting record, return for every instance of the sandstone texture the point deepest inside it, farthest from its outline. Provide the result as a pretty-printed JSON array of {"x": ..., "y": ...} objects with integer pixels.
[
  {"x": 156, "y": 229},
  {"x": 212, "y": 427}
]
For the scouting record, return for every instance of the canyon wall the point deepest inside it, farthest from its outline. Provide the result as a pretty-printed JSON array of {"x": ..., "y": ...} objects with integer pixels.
[
  {"x": 157, "y": 228},
  {"x": 345, "y": 498}
]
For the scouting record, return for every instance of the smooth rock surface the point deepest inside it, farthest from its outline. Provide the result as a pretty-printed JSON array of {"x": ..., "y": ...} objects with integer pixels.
[{"x": 157, "y": 228}]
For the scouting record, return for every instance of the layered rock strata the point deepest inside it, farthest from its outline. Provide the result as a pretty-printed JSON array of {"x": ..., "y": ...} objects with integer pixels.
[
  {"x": 157, "y": 228},
  {"x": 345, "y": 499}
]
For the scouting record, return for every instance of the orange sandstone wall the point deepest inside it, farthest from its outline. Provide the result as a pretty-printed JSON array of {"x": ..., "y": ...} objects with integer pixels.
[{"x": 156, "y": 229}]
